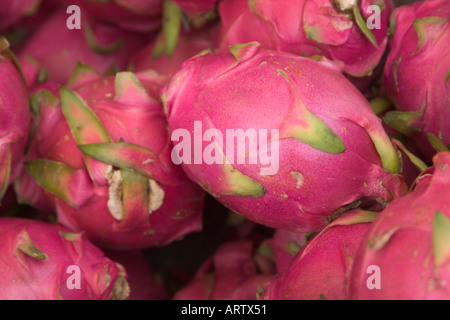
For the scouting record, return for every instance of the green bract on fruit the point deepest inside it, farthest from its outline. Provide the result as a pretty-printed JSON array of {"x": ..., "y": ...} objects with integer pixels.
[
  {"x": 15, "y": 118},
  {"x": 101, "y": 158},
  {"x": 409, "y": 243},
  {"x": 417, "y": 74},
  {"x": 43, "y": 261},
  {"x": 321, "y": 268},
  {"x": 353, "y": 33},
  {"x": 283, "y": 140}
]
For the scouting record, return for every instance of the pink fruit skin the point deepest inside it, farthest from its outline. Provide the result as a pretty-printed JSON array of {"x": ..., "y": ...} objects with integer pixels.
[
  {"x": 284, "y": 246},
  {"x": 14, "y": 10},
  {"x": 322, "y": 267},
  {"x": 409, "y": 170},
  {"x": 416, "y": 75},
  {"x": 139, "y": 122},
  {"x": 230, "y": 274},
  {"x": 28, "y": 278},
  {"x": 15, "y": 119},
  {"x": 196, "y": 6},
  {"x": 144, "y": 283},
  {"x": 231, "y": 91},
  {"x": 58, "y": 49},
  {"x": 400, "y": 243},
  {"x": 188, "y": 45},
  {"x": 312, "y": 27},
  {"x": 143, "y": 16}
]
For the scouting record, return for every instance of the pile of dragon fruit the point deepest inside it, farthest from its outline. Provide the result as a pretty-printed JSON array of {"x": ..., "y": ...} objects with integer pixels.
[{"x": 225, "y": 149}]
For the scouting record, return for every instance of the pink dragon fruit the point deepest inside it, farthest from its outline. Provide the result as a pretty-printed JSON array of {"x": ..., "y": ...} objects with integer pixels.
[
  {"x": 193, "y": 7},
  {"x": 55, "y": 49},
  {"x": 283, "y": 247},
  {"x": 405, "y": 253},
  {"x": 417, "y": 72},
  {"x": 188, "y": 45},
  {"x": 9, "y": 202},
  {"x": 351, "y": 32},
  {"x": 142, "y": 16},
  {"x": 144, "y": 282},
  {"x": 322, "y": 267},
  {"x": 230, "y": 274},
  {"x": 43, "y": 261},
  {"x": 236, "y": 227},
  {"x": 15, "y": 119},
  {"x": 410, "y": 153},
  {"x": 314, "y": 146},
  {"x": 14, "y": 10},
  {"x": 197, "y": 13},
  {"x": 132, "y": 197}
]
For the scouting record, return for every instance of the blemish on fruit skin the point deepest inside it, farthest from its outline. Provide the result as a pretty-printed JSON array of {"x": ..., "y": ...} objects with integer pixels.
[
  {"x": 283, "y": 197},
  {"x": 147, "y": 161},
  {"x": 120, "y": 123},
  {"x": 150, "y": 232},
  {"x": 294, "y": 68},
  {"x": 379, "y": 241},
  {"x": 298, "y": 178},
  {"x": 427, "y": 261}
]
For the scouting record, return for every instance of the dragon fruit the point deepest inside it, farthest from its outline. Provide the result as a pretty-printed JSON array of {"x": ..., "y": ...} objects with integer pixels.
[
  {"x": 405, "y": 252},
  {"x": 197, "y": 13},
  {"x": 54, "y": 50},
  {"x": 417, "y": 73},
  {"x": 322, "y": 267},
  {"x": 230, "y": 274},
  {"x": 193, "y": 7},
  {"x": 43, "y": 261},
  {"x": 15, "y": 118},
  {"x": 143, "y": 16},
  {"x": 188, "y": 45},
  {"x": 410, "y": 168},
  {"x": 14, "y": 10},
  {"x": 315, "y": 148},
  {"x": 283, "y": 247},
  {"x": 346, "y": 31},
  {"x": 132, "y": 196},
  {"x": 144, "y": 282}
]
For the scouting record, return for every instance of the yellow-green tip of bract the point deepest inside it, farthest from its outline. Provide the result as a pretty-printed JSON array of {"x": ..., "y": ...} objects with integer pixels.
[
  {"x": 27, "y": 246},
  {"x": 441, "y": 238}
]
